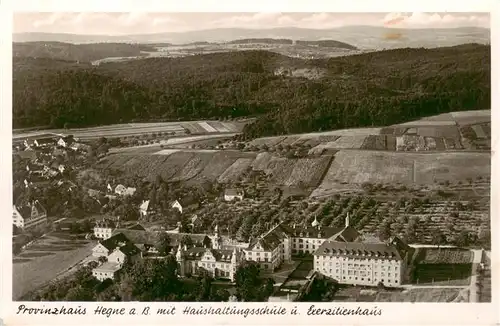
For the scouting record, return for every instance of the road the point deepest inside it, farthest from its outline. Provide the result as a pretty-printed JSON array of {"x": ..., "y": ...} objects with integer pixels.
[{"x": 474, "y": 289}]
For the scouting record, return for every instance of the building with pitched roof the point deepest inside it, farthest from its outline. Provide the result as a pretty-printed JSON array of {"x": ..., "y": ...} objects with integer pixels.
[
  {"x": 350, "y": 258},
  {"x": 29, "y": 216},
  {"x": 117, "y": 250},
  {"x": 232, "y": 194},
  {"x": 103, "y": 229},
  {"x": 218, "y": 263},
  {"x": 340, "y": 253}
]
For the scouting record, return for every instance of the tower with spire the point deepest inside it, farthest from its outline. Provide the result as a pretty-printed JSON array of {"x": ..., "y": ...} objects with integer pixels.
[
  {"x": 217, "y": 239},
  {"x": 315, "y": 223},
  {"x": 179, "y": 256},
  {"x": 347, "y": 220}
]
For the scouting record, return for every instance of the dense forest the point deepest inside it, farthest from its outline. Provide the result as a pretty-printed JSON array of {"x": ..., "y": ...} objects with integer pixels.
[
  {"x": 372, "y": 89},
  {"x": 78, "y": 52}
]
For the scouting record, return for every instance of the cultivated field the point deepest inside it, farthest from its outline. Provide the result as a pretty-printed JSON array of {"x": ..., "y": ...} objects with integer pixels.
[
  {"x": 133, "y": 129},
  {"x": 46, "y": 259},
  {"x": 351, "y": 168}
]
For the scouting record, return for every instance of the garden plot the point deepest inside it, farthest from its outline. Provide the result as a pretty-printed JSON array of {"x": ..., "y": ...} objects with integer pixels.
[
  {"x": 443, "y": 266},
  {"x": 237, "y": 169},
  {"x": 440, "y": 131}
]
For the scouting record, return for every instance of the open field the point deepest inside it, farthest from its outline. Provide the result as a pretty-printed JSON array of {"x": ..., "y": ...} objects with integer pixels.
[
  {"x": 45, "y": 260},
  {"x": 131, "y": 129},
  {"x": 351, "y": 168}
]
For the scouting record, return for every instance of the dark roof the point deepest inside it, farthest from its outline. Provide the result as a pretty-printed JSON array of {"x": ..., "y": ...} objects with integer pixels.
[
  {"x": 359, "y": 250},
  {"x": 105, "y": 223},
  {"x": 323, "y": 232},
  {"x": 195, "y": 253},
  {"x": 348, "y": 234},
  {"x": 139, "y": 236},
  {"x": 198, "y": 239},
  {"x": 117, "y": 240},
  {"x": 130, "y": 249},
  {"x": 151, "y": 237}
]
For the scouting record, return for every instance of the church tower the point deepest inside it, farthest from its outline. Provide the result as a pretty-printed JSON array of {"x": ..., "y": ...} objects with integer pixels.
[
  {"x": 347, "y": 221},
  {"x": 179, "y": 256},
  {"x": 217, "y": 239}
]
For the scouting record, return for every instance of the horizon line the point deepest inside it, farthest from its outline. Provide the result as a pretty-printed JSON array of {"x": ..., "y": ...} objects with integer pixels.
[{"x": 257, "y": 29}]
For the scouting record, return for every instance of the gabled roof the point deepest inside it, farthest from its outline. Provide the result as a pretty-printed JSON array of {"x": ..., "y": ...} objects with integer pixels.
[
  {"x": 130, "y": 249},
  {"x": 359, "y": 249},
  {"x": 117, "y": 240},
  {"x": 197, "y": 253},
  {"x": 347, "y": 234},
  {"x": 144, "y": 206}
]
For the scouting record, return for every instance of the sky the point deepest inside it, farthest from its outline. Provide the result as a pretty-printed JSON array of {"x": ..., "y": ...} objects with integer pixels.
[{"x": 101, "y": 23}]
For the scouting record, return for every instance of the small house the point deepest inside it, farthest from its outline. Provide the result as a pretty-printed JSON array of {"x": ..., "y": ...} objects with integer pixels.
[{"x": 233, "y": 194}]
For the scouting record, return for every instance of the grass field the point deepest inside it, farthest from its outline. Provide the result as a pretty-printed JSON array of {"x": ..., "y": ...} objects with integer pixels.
[
  {"x": 46, "y": 259},
  {"x": 351, "y": 168}
]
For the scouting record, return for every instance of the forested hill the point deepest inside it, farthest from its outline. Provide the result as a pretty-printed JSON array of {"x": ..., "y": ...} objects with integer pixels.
[
  {"x": 378, "y": 88},
  {"x": 78, "y": 52}
]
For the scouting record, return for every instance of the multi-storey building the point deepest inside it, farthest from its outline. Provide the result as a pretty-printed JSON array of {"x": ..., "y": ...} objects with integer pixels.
[
  {"x": 29, "y": 216},
  {"x": 340, "y": 253},
  {"x": 219, "y": 263},
  {"x": 104, "y": 229}
]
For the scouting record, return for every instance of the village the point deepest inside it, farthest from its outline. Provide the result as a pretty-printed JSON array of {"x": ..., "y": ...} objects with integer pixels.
[{"x": 130, "y": 223}]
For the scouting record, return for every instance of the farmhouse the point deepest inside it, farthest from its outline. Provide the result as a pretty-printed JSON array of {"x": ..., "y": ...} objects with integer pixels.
[
  {"x": 29, "y": 216},
  {"x": 232, "y": 194}
]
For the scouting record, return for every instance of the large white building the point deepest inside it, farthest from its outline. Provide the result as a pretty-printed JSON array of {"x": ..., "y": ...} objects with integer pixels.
[{"x": 339, "y": 253}]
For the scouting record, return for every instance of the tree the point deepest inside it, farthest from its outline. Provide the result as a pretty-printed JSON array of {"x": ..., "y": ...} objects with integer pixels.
[
  {"x": 186, "y": 240},
  {"x": 438, "y": 238},
  {"x": 164, "y": 243}
]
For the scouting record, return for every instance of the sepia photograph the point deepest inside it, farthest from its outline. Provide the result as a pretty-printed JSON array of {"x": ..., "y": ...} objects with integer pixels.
[{"x": 251, "y": 157}]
